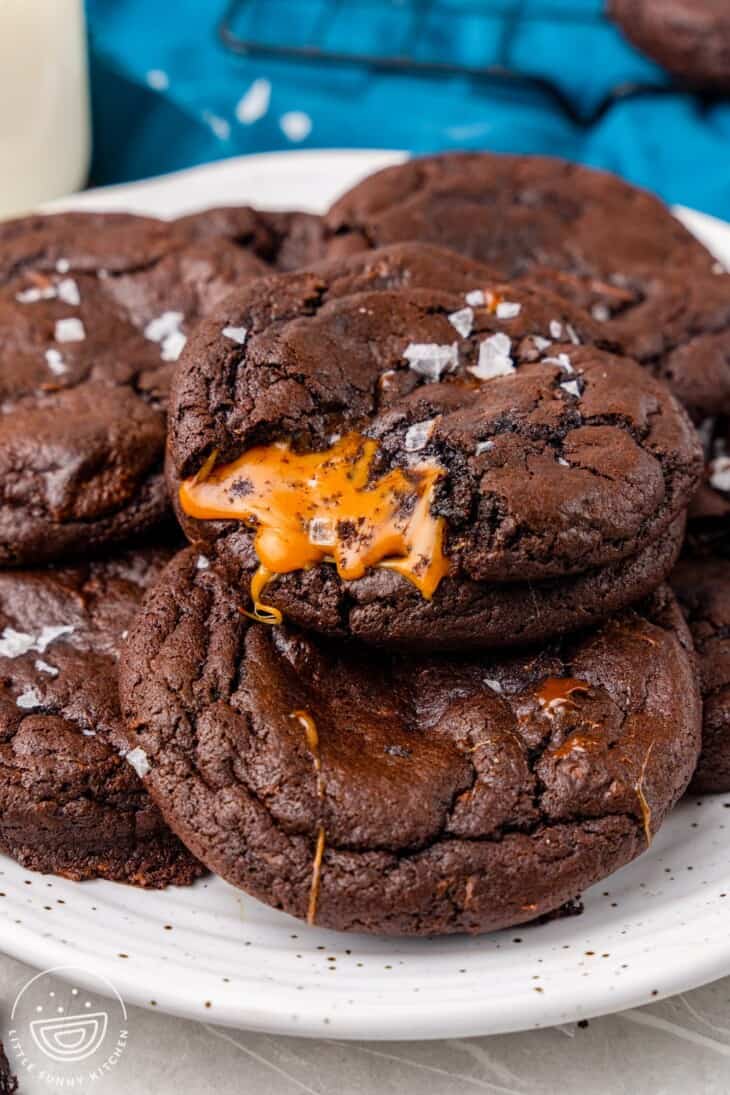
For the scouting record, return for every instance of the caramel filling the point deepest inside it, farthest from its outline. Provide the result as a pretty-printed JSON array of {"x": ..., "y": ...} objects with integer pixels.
[
  {"x": 313, "y": 506},
  {"x": 557, "y": 691}
]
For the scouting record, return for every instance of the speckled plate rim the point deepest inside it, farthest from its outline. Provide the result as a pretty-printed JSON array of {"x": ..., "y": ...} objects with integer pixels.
[{"x": 657, "y": 927}]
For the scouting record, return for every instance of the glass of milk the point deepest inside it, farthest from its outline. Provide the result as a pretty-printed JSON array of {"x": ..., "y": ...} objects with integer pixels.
[{"x": 44, "y": 102}]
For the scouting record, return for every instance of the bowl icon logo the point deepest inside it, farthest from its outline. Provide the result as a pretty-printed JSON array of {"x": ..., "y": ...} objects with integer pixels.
[
  {"x": 70, "y": 1038},
  {"x": 68, "y": 1027}
]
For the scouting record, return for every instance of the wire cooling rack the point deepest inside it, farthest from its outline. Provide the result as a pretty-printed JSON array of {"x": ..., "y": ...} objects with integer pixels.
[{"x": 318, "y": 32}]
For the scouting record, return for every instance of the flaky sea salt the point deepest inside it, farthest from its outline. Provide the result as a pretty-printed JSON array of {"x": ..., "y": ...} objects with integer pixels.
[
  {"x": 49, "y": 635},
  {"x": 494, "y": 358},
  {"x": 172, "y": 346},
  {"x": 572, "y": 334},
  {"x": 139, "y": 761},
  {"x": 69, "y": 330},
  {"x": 562, "y": 361},
  {"x": 483, "y": 446},
  {"x": 236, "y": 334},
  {"x": 462, "y": 321},
  {"x": 63, "y": 266},
  {"x": 600, "y": 312},
  {"x": 418, "y": 434},
  {"x": 164, "y": 325},
  {"x": 508, "y": 309},
  {"x": 44, "y": 667},
  {"x": 476, "y": 298},
  {"x": 541, "y": 343},
  {"x": 55, "y": 362},
  {"x": 165, "y": 329},
  {"x": 322, "y": 532},
  {"x": 495, "y": 685},
  {"x": 68, "y": 291},
  {"x": 34, "y": 294},
  {"x": 28, "y": 699},
  {"x": 720, "y": 473},
  {"x": 15, "y": 643},
  {"x": 201, "y": 563},
  {"x": 430, "y": 359},
  {"x": 556, "y": 329},
  {"x": 571, "y": 387}
]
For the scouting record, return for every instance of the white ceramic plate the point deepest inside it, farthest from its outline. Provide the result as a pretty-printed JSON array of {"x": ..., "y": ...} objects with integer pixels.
[{"x": 659, "y": 926}]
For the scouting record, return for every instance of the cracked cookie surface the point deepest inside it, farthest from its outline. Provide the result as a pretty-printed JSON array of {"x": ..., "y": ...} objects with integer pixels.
[
  {"x": 69, "y": 803},
  {"x": 406, "y": 795},
  {"x": 559, "y": 460},
  {"x": 599, "y": 242},
  {"x": 284, "y": 240}
]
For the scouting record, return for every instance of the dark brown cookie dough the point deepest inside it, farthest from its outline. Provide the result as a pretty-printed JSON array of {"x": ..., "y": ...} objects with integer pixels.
[
  {"x": 92, "y": 318},
  {"x": 70, "y": 804},
  {"x": 560, "y": 462},
  {"x": 690, "y": 38},
  {"x": 285, "y": 240},
  {"x": 710, "y": 507},
  {"x": 702, "y": 584},
  {"x": 372, "y": 792},
  {"x": 600, "y": 242}
]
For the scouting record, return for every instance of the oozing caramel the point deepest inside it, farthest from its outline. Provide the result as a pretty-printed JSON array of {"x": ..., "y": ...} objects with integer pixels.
[
  {"x": 313, "y": 506},
  {"x": 556, "y": 692}
]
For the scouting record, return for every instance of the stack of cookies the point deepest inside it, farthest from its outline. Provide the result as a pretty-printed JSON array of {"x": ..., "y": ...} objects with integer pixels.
[{"x": 420, "y": 668}]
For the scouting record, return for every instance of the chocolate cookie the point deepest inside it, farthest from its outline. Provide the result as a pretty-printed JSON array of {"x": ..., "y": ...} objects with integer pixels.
[
  {"x": 479, "y": 469},
  {"x": 285, "y": 240},
  {"x": 710, "y": 508},
  {"x": 69, "y": 803},
  {"x": 92, "y": 318},
  {"x": 8, "y": 1082},
  {"x": 596, "y": 240},
  {"x": 690, "y": 38},
  {"x": 372, "y": 792},
  {"x": 702, "y": 584}
]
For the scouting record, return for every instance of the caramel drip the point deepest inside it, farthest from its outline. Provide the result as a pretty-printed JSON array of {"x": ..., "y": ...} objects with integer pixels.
[
  {"x": 311, "y": 736},
  {"x": 556, "y": 692},
  {"x": 316, "y": 876},
  {"x": 311, "y": 507},
  {"x": 643, "y": 801},
  {"x": 263, "y": 614},
  {"x": 206, "y": 468}
]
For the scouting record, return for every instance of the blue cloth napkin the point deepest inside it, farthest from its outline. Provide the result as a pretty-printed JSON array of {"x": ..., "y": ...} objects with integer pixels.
[{"x": 167, "y": 93}]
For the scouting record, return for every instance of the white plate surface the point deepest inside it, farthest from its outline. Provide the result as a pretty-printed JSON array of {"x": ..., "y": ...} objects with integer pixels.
[{"x": 659, "y": 926}]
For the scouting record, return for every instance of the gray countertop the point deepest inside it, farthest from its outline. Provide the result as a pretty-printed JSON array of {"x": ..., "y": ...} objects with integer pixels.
[{"x": 677, "y": 1045}]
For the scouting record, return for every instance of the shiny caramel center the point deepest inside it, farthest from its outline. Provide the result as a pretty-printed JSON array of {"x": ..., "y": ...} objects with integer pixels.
[
  {"x": 308, "y": 507},
  {"x": 556, "y": 692}
]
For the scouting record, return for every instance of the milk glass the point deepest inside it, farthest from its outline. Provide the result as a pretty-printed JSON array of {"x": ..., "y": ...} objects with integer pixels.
[{"x": 44, "y": 102}]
